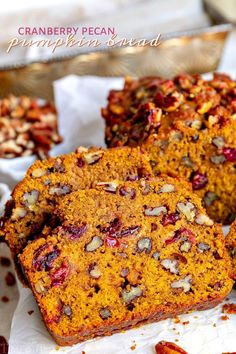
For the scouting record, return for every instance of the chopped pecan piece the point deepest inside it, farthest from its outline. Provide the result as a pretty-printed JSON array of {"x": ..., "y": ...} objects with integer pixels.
[
  {"x": 187, "y": 209},
  {"x": 167, "y": 188},
  {"x": 108, "y": 186},
  {"x": 94, "y": 244},
  {"x": 132, "y": 294},
  {"x": 105, "y": 313},
  {"x": 184, "y": 283},
  {"x": 155, "y": 211},
  {"x": 144, "y": 245},
  {"x": 171, "y": 265},
  {"x": 67, "y": 310},
  {"x": 92, "y": 157},
  {"x": 203, "y": 219},
  {"x": 170, "y": 219}
]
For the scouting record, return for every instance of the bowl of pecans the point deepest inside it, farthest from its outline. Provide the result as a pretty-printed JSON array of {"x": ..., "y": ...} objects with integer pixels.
[{"x": 28, "y": 130}]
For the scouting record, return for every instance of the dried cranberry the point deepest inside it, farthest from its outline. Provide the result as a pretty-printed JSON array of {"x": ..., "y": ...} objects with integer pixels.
[
  {"x": 43, "y": 261},
  {"x": 222, "y": 120},
  {"x": 174, "y": 238},
  {"x": 124, "y": 191},
  {"x": 188, "y": 233},
  {"x": 60, "y": 274},
  {"x": 181, "y": 233},
  {"x": 132, "y": 193},
  {"x": 179, "y": 257},
  {"x": 142, "y": 173},
  {"x": 230, "y": 154},
  {"x": 74, "y": 232},
  {"x": 129, "y": 231},
  {"x": 154, "y": 227},
  {"x": 56, "y": 317},
  {"x": 80, "y": 162},
  {"x": 164, "y": 101},
  {"x": 112, "y": 241},
  {"x": 113, "y": 227},
  {"x": 169, "y": 101},
  {"x": 132, "y": 178},
  {"x": 159, "y": 99},
  {"x": 170, "y": 219},
  {"x": 150, "y": 116},
  {"x": 199, "y": 180},
  {"x": 38, "y": 258}
]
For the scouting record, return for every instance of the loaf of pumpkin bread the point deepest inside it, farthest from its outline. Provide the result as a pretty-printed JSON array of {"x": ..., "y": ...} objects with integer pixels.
[
  {"x": 124, "y": 254},
  {"x": 188, "y": 127}
]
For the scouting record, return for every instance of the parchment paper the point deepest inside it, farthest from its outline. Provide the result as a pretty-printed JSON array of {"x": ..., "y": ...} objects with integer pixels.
[
  {"x": 79, "y": 101},
  {"x": 10, "y": 293}
]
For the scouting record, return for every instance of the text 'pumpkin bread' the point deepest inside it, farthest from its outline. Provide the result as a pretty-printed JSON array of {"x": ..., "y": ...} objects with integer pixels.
[{"x": 125, "y": 254}]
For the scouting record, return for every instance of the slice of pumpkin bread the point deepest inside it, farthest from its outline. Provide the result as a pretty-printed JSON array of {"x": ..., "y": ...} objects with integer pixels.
[
  {"x": 47, "y": 181},
  {"x": 125, "y": 254}
]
